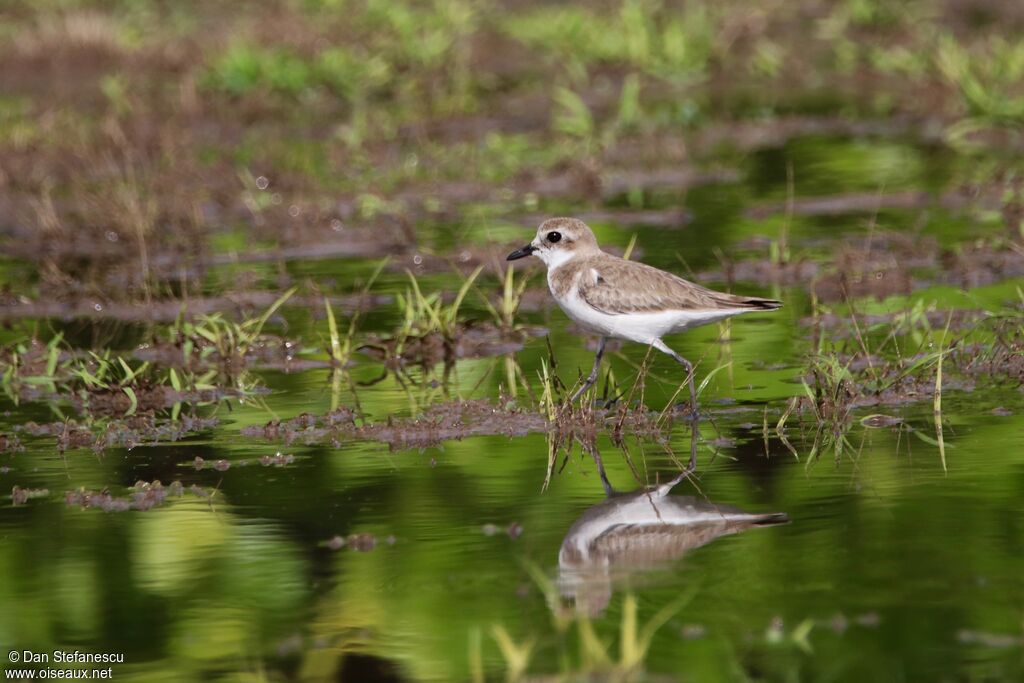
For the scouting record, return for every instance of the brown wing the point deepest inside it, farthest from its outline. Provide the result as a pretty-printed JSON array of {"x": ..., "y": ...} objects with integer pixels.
[
  {"x": 646, "y": 546},
  {"x": 616, "y": 286}
]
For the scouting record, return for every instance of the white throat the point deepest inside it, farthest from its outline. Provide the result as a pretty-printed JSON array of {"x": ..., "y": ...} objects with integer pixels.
[{"x": 553, "y": 258}]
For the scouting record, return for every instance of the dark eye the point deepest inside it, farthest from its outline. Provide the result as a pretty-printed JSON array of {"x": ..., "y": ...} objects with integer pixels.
[{"x": 554, "y": 237}]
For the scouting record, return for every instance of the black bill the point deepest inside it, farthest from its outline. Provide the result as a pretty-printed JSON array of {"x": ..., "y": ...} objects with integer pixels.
[{"x": 521, "y": 253}]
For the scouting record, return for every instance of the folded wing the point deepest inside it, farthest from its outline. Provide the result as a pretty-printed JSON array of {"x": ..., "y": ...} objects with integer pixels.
[{"x": 617, "y": 287}]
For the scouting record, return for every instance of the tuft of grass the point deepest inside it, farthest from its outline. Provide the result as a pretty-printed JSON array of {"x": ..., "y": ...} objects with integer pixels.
[
  {"x": 662, "y": 42},
  {"x": 20, "y": 371},
  {"x": 341, "y": 345},
  {"x": 549, "y": 404},
  {"x": 831, "y": 402},
  {"x": 778, "y": 249},
  {"x": 572, "y": 115},
  {"x": 214, "y": 333},
  {"x": 425, "y": 314},
  {"x": 989, "y": 83},
  {"x": 504, "y": 313},
  {"x": 59, "y": 371}
]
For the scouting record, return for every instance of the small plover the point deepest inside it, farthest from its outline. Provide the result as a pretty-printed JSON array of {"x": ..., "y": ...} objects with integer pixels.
[{"x": 620, "y": 299}]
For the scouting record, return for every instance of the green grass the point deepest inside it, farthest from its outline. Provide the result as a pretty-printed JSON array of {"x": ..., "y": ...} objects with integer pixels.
[
  {"x": 987, "y": 78},
  {"x": 674, "y": 45},
  {"x": 58, "y": 371},
  {"x": 426, "y": 314},
  {"x": 245, "y": 69}
]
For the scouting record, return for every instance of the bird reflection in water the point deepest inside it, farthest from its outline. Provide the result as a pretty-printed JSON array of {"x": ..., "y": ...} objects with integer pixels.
[{"x": 629, "y": 533}]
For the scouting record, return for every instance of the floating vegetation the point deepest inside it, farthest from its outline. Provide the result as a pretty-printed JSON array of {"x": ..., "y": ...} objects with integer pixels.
[
  {"x": 142, "y": 496},
  {"x": 360, "y": 543},
  {"x": 99, "y": 435},
  {"x": 21, "y": 496}
]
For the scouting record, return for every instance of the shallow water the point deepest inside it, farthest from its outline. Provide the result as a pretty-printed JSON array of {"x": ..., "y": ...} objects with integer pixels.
[{"x": 892, "y": 567}]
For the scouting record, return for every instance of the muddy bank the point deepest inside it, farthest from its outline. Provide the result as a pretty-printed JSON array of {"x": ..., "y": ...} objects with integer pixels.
[
  {"x": 846, "y": 326},
  {"x": 585, "y": 182},
  {"x": 268, "y": 352},
  {"x": 146, "y": 397},
  {"x": 859, "y": 380},
  {"x": 456, "y": 420},
  {"x": 883, "y": 265},
  {"x": 450, "y": 421},
  {"x": 240, "y": 306},
  {"x": 868, "y": 203}
]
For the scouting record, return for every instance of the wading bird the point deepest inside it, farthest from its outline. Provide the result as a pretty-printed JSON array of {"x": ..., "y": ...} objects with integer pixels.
[{"x": 620, "y": 299}]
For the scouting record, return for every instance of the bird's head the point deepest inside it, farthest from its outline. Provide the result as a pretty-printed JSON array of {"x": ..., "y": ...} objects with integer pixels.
[{"x": 557, "y": 241}]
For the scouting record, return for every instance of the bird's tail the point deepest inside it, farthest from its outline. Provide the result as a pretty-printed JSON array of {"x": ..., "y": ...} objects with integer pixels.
[
  {"x": 761, "y": 304},
  {"x": 771, "y": 519},
  {"x": 750, "y": 303}
]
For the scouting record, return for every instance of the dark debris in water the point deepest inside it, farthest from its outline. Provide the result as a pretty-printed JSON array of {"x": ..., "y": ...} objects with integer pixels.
[
  {"x": 277, "y": 460},
  {"x": 222, "y": 465},
  {"x": 20, "y": 496},
  {"x": 139, "y": 430},
  {"x": 9, "y": 443},
  {"x": 513, "y": 530},
  {"x": 693, "y": 631},
  {"x": 996, "y": 641},
  {"x": 879, "y": 421},
  {"x": 142, "y": 496},
  {"x": 361, "y": 543}
]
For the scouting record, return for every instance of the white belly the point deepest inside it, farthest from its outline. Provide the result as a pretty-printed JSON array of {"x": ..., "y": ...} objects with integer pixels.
[{"x": 645, "y": 327}]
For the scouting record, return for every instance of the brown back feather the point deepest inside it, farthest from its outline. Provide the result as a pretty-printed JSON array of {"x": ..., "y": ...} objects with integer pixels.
[{"x": 630, "y": 287}]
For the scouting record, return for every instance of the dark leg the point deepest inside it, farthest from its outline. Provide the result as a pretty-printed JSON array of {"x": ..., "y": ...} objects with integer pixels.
[
  {"x": 592, "y": 449},
  {"x": 691, "y": 466},
  {"x": 592, "y": 377},
  {"x": 660, "y": 345}
]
